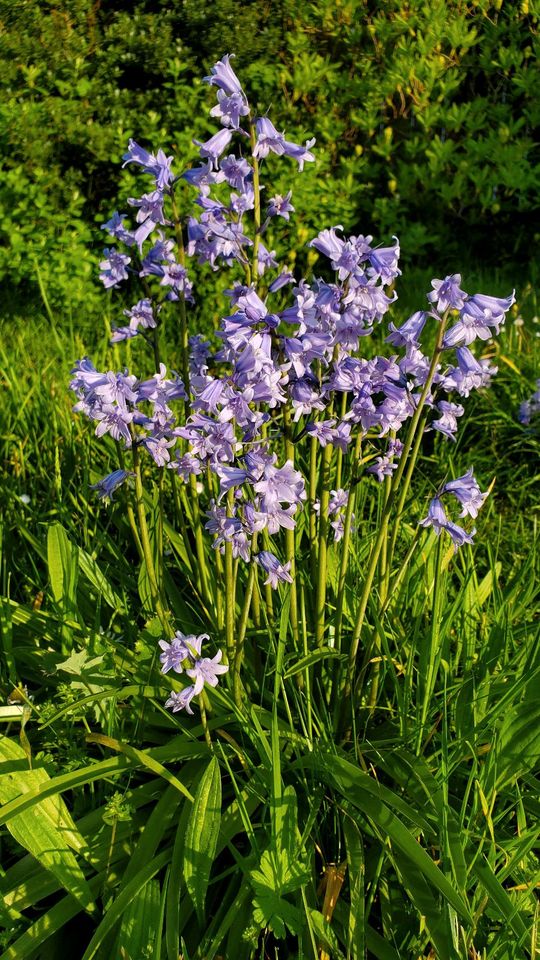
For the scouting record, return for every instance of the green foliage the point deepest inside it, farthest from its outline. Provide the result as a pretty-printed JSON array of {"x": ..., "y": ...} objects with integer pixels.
[{"x": 397, "y": 96}]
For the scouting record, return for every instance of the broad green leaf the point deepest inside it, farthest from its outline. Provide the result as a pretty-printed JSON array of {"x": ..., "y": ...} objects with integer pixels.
[
  {"x": 90, "y": 569},
  {"x": 177, "y": 749},
  {"x": 48, "y": 831},
  {"x": 48, "y": 924},
  {"x": 356, "y": 942},
  {"x": 202, "y": 836},
  {"x": 122, "y": 901},
  {"x": 63, "y": 563},
  {"x": 172, "y": 925},
  {"x": 143, "y": 757},
  {"x": 140, "y": 922}
]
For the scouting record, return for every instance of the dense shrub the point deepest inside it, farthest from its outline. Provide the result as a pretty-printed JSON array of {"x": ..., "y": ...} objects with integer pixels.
[{"x": 425, "y": 117}]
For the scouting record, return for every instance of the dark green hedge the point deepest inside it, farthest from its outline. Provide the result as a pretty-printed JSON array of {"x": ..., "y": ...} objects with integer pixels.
[{"x": 426, "y": 116}]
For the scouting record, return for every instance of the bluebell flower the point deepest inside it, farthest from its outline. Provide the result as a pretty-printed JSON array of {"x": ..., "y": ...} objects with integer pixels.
[
  {"x": 216, "y": 145},
  {"x": 447, "y": 422},
  {"x": 270, "y": 141},
  {"x": 470, "y": 373},
  {"x": 277, "y": 572},
  {"x": 477, "y": 317},
  {"x": 409, "y": 332},
  {"x": 181, "y": 700},
  {"x": 437, "y": 519},
  {"x": 230, "y": 108},
  {"x": 467, "y": 492},
  {"x": 113, "y": 268},
  {"x": 206, "y": 670},
  {"x": 223, "y": 76},
  {"x": 279, "y": 206},
  {"x": 109, "y": 484},
  {"x": 446, "y": 294},
  {"x": 159, "y": 166}
]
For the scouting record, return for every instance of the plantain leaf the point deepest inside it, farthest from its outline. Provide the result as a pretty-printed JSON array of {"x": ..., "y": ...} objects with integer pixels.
[
  {"x": 140, "y": 922},
  {"x": 202, "y": 836},
  {"x": 63, "y": 563},
  {"x": 47, "y": 831}
]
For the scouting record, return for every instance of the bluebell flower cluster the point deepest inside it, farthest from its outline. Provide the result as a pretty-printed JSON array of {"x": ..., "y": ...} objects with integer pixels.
[
  {"x": 183, "y": 655},
  {"x": 287, "y": 360}
]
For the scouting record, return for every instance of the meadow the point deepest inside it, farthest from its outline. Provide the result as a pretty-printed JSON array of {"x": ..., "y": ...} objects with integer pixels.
[{"x": 263, "y": 695}]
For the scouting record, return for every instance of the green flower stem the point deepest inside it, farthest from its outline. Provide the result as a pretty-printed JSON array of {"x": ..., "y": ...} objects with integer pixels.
[
  {"x": 256, "y": 202},
  {"x": 383, "y": 527},
  {"x": 157, "y": 599},
  {"x": 184, "y": 334},
  {"x": 204, "y": 721},
  {"x": 434, "y": 644},
  {"x": 339, "y": 459},
  {"x": 230, "y": 600},
  {"x": 131, "y": 513},
  {"x": 313, "y": 456},
  {"x": 180, "y": 515},
  {"x": 290, "y": 537},
  {"x": 404, "y": 490},
  {"x": 242, "y": 627},
  {"x": 323, "y": 544},
  {"x": 199, "y": 540},
  {"x": 344, "y": 562}
]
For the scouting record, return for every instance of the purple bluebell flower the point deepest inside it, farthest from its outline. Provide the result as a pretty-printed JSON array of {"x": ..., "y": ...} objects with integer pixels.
[
  {"x": 467, "y": 492},
  {"x": 223, "y": 76},
  {"x": 446, "y": 294},
  {"x": 229, "y": 109},
  {"x": 384, "y": 262},
  {"x": 280, "y": 485},
  {"x": 530, "y": 408},
  {"x": 477, "y": 317},
  {"x": 470, "y": 373},
  {"x": 206, "y": 670},
  {"x": 265, "y": 259},
  {"x": 115, "y": 227},
  {"x": 109, "y": 484},
  {"x": 204, "y": 176},
  {"x": 279, "y": 206},
  {"x": 185, "y": 465},
  {"x": 277, "y": 572},
  {"x": 113, "y": 267},
  {"x": 284, "y": 278},
  {"x": 447, "y": 422},
  {"x": 409, "y": 332},
  {"x": 384, "y": 466},
  {"x": 216, "y": 145},
  {"x": 269, "y": 140},
  {"x": 236, "y": 170},
  {"x": 182, "y": 647},
  {"x": 158, "y": 448},
  {"x": 181, "y": 700},
  {"x": 159, "y": 166},
  {"x": 322, "y": 430},
  {"x": 437, "y": 519}
]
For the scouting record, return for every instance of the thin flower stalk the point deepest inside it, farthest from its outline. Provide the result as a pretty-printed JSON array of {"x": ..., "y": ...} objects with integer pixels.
[
  {"x": 147, "y": 546},
  {"x": 323, "y": 546},
  {"x": 383, "y": 527}
]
